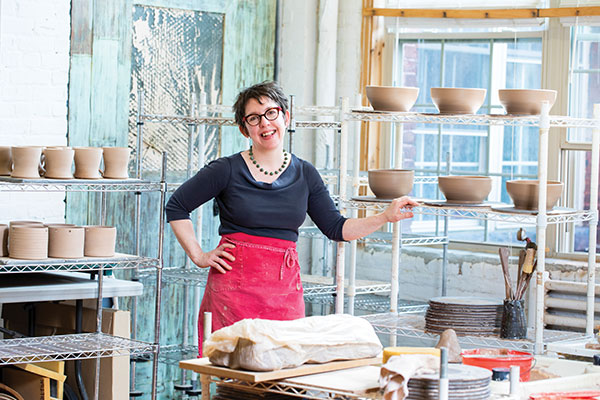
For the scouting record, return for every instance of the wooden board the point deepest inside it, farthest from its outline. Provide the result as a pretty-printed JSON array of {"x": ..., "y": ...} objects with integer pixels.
[
  {"x": 203, "y": 366},
  {"x": 359, "y": 381}
]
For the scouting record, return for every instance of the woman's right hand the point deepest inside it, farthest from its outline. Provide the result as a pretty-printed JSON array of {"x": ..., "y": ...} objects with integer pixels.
[{"x": 216, "y": 258}]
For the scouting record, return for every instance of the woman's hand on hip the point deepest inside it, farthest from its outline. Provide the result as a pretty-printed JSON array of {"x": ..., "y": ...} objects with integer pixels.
[
  {"x": 216, "y": 258},
  {"x": 399, "y": 209}
]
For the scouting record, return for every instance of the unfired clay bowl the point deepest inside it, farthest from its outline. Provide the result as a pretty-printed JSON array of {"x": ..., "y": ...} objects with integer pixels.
[
  {"x": 458, "y": 100},
  {"x": 390, "y": 98},
  {"x": 465, "y": 189},
  {"x": 525, "y": 101},
  {"x": 5, "y": 160},
  {"x": 3, "y": 240},
  {"x": 524, "y": 193},
  {"x": 28, "y": 242},
  {"x": 391, "y": 183}
]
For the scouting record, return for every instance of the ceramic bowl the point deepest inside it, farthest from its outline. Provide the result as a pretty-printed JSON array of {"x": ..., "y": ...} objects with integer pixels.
[
  {"x": 390, "y": 98},
  {"x": 465, "y": 189},
  {"x": 524, "y": 193},
  {"x": 458, "y": 100},
  {"x": 525, "y": 101},
  {"x": 391, "y": 183}
]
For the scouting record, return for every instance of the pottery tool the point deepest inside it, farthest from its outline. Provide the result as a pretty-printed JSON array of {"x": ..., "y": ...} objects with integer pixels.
[{"x": 504, "y": 253}]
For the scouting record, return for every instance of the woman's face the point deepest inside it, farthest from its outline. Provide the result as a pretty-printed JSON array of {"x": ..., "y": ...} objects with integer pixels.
[{"x": 265, "y": 134}]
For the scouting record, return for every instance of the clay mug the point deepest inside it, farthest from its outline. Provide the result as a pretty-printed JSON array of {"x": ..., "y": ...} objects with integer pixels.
[
  {"x": 65, "y": 241},
  {"x": 87, "y": 162},
  {"x": 5, "y": 160},
  {"x": 3, "y": 240},
  {"x": 26, "y": 161},
  {"x": 116, "y": 161},
  {"x": 100, "y": 241},
  {"x": 58, "y": 162}
]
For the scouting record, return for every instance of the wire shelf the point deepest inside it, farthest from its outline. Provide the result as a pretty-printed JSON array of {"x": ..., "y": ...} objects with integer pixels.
[
  {"x": 556, "y": 216},
  {"x": 313, "y": 289},
  {"x": 382, "y": 237},
  {"x": 288, "y": 388},
  {"x": 413, "y": 326},
  {"x": 70, "y": 347},
  {"x": 8, "y": 184},
  {"x": 172, "y": 354},
  {"x": 369, "y": 115},
  {"x": 318, "y": 124},
  {"x": 119, "y": 261},
  {"x": 318, "y": 110}
]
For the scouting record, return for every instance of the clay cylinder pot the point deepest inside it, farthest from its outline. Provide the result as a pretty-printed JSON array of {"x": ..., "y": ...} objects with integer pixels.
[
  {"x": 87, "y": 162},
  {"x": 28, "y": 242},
  {"x": 19, "y": 223},
  {"x": 65, "y": 241},
  {"x": 5, "y": 160},
  {"x": 100, "y": 241},
  {"x": 116, "y": 161},
  {"x": 58, "y": 162},
  {"x": 26, "y": 161},
  {"x": 3, "y": 240}
]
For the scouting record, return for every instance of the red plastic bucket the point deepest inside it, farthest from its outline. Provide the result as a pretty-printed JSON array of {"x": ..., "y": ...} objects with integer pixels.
[{"x": 494, "y": 358}]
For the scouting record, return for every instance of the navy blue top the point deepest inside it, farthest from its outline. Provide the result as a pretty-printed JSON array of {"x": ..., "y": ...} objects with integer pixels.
[{"x": 257, "y": 208}]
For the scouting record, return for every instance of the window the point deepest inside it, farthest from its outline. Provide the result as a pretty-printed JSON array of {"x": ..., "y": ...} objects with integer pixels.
[
  {"x": 584, "y": 92},
  {"x": 501, "y": 152}
]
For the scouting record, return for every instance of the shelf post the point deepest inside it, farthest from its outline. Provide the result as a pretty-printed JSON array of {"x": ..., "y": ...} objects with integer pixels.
[
  {"x": 541, "y": 227},
  {"x": 340, "y": 257},
  {"x": 593, "y": 225},
  {"x": 159, "y": 267}
]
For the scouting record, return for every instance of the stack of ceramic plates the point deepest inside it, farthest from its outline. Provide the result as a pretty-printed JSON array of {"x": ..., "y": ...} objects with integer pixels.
[
  {"x": 466, "y": 315},
  {"x": 465, "y": 382}
]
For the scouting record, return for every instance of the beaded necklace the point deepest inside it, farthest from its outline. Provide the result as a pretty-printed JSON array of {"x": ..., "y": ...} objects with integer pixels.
[{"x": 261, "y": 169}]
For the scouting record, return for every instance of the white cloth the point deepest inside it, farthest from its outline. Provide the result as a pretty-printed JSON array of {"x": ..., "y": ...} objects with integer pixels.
[
  {"x": 397, "y": 371},
  {"x": 265, "y": 345}
]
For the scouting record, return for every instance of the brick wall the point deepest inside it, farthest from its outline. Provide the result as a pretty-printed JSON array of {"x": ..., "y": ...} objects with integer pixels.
[{"x": 34, "y": 71}]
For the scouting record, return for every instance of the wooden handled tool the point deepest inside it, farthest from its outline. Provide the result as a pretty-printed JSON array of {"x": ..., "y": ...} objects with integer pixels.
[
  {"x": 529, "y": 260},
  {"x": 504, "y": 253}
]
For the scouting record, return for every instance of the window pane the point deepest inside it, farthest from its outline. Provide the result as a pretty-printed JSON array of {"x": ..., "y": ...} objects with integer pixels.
[{"x": 584, "y": 93}]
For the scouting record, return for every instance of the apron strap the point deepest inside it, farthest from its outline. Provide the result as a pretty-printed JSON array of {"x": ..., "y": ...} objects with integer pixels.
[{"x": 290, "y": 259}]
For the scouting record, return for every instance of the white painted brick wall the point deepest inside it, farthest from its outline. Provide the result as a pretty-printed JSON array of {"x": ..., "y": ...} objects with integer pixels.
[{"x": 34, "y": 74}]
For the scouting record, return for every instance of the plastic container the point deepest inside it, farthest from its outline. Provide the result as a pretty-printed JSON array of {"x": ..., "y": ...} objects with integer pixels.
[{"x": 499, "y": 358}]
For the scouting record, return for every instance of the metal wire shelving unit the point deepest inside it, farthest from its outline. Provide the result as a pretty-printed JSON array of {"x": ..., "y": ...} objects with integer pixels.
[
  {"x": 87, "y": 345},
  {"x": 541, "y": 218}
]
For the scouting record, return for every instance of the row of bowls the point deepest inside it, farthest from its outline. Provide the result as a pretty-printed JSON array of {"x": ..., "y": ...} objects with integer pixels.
[
  {"x": 392, "y": 183},
  {"x": 460, "y": 100}
]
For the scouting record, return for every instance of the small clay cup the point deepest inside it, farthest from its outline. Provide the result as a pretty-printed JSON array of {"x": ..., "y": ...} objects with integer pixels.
[
  {"x": 5, "y": 160},
  {"x": 3, "y": 240},
  {"x": 116, "y": 161},
  {"x": 58, "y": 162},
  {"x": 26, "y": 161},
  {"x": 87, "y": 162},
  {"x": 65, "y": 241},
  {"x": 100, "y": 241},
  {"x": 28, "y": 242},
  {"x": 391, "y": 183}
]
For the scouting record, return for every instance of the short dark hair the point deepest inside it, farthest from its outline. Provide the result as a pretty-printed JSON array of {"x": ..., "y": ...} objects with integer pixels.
[{"x": 270, "y": 89}]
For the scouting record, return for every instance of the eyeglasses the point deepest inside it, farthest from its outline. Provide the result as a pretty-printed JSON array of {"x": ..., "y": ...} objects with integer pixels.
[{"x": 270, "y": 115}]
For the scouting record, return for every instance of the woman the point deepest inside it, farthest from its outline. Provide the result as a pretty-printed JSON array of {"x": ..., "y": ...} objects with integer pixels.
[{"x": 263, "y": 195}]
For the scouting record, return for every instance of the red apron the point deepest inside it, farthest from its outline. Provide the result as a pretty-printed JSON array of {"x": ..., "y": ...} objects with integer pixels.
[{"x": 264, "y": 282}]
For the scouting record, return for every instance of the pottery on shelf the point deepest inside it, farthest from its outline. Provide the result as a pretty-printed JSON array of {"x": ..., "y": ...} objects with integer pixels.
[
  {"x": 19, "y": 223},
  {"x": 3, "y": 240},
  {"x": 116, "y": 162},
  {"x": 465, "y": 189},
  {"x": 524, "y": 193},
  {"x": 26, "y": 161},
  {"x": 391, "y": 183},
  {"x": 457, "y": 100},
  {"x": 58, "y": 162},
  {"x": 28, "y": 242},
  {"x": 525, "y": 101},
  {"x": 65, "y": 241},
  {"x": 100, "y": 241},
  {"x": 390, "y": 98},
  {"x": 5, "y": 160},
  {"x": 87, "y": 162}
]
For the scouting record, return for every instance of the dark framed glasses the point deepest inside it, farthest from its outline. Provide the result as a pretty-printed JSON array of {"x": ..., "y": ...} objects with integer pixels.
[{"x": 270, "y": 115}]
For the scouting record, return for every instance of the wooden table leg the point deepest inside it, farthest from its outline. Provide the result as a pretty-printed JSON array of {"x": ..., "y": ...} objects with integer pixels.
[{"x": 205, "y": 382}]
